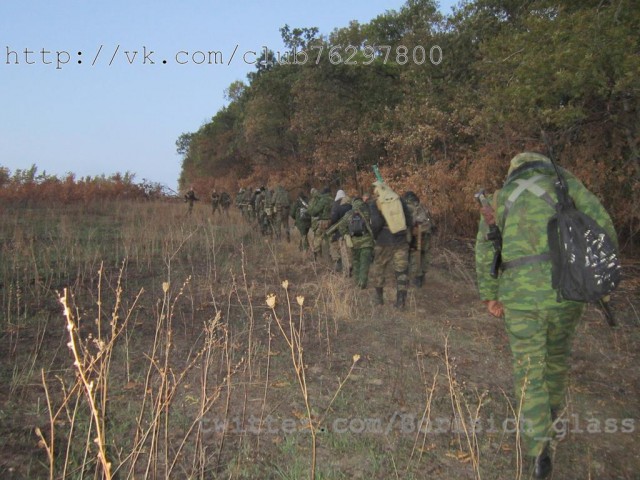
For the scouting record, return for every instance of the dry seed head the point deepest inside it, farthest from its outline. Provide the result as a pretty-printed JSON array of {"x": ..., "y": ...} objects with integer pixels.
[
  {"x": 285, "y": 284},
  {"x": 271, "y": 300},
  {"x": 300, "y": 300},
  {"x": 165, "y": 287},
  {"x": 356, "y": 357}
]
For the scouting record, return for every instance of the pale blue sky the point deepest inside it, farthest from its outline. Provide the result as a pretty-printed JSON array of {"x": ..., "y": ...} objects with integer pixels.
[{"x": 93, "y": 118}]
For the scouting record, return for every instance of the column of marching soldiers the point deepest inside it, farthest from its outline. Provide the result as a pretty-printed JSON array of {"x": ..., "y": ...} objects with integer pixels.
[{"x": 352, "y": 231}]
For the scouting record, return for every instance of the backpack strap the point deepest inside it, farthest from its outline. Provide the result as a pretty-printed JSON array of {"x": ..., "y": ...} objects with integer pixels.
[{"x": 530, "y": 185}]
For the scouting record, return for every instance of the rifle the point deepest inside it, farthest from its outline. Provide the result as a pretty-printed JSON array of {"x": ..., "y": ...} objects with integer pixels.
[
  {"x": 494, "y": 234},
  {"x": 329, "y": 231}
]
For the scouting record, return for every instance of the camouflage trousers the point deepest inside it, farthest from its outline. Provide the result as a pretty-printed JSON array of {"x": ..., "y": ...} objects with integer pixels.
[
  {"x": 318, "y": 227},
  {"x": 419, "y": 260},
  {"x": 540, "y": 343},
  {"x": 361, "y": 262},
  {"x": 334, "y": 250},
  {"x": 281, "y": 221},
  {"x": 395, "y": 256}
]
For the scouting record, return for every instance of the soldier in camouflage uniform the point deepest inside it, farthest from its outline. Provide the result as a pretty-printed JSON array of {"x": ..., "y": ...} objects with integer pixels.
[
  {"x": 262, "y": 211},
  {"x": 391, "y": 249},
  {"x": 225, "y": 202},
  {"x": 337, "y": 248},
  {"x": 420, "y": 247},
  {"x": 215, "y": 202},
  {"x": 242, "y": 202},
  {"x": 302, "y": 220},
  {"x": 320, "y": 212},
  {"x": 281, "y": 206},
  {"x": 360, "y": 242},
  {"x": 540, "y": 327},
  {"x": 190, "y": 198}
]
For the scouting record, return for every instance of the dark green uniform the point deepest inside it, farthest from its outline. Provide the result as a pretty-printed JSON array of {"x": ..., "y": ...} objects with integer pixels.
[
  {"x": 361, "y": 245},
  {"x": 281, "y": 206},
  {"x": 215, "y": 202},
  {"x": 190, "y": 198},
  {"x": 540, "y": 328},
  {"x": 420, "y": 246},
  {"x": 320, "y": 212}
]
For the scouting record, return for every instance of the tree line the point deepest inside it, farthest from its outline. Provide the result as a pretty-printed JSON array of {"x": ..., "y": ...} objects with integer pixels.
[
  {"x": 28, "y": 187},
  {"x": 440, "y": 103}
]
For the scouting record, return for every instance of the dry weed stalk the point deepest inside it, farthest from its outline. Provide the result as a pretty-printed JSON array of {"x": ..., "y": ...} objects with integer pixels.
[
  {"x": 292, "y": 335},
  {"x": 89, "y": 386},
  {"x": 425, "y": 420},
  {"x": 461, "y": 410}
]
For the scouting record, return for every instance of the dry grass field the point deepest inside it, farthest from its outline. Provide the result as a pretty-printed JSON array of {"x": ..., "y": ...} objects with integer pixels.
[{"x": 139, "y": 342}]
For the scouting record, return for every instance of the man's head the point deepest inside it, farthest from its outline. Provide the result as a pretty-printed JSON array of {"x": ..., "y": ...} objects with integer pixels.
[
  {"x": 526, "y": 157},
  {"x": 410, "y": 197},
  {"x": 357, "y": 203}
]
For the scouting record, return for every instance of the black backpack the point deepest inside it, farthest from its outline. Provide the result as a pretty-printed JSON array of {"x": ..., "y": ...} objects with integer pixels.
[
  {"x": 586, "y": 266},
  {"x": 584, "y": 258},
  {"x": 357, "y": 224}
]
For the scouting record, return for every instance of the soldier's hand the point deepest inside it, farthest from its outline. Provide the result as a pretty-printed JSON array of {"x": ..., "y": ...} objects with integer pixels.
[
  {"x": 488, "y": 214},
  {"x": 495, "y": 308}
]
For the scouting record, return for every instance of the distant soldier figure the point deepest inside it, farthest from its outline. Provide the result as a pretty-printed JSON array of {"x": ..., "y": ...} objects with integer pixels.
[
  {"x": 215, "y": 201},
  {"x": 253, "y": 212},
  {"x": 337, "y": 249},
  {"x": 242, "y": 202},
  {"x": 391, "y": 250},
  {"x": 281, "y": 206},
  {"x": 302, "y": 220},
  {"x": 263, "y": 211},
  {"x": 320, "y": 212},
  {"x": 355, "y": 228},
  {"x": 225, "y": 202},
  {"x": 190, "y": 198},
  {"x": 420, "y": 246}
]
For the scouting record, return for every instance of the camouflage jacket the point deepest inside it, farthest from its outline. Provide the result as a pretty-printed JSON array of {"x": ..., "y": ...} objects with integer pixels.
[
  {"x": 366, "y": 240},
  {"x": 320, "y": 206},
  {"x": 280, "y": 198},
  {"x": 524, "y": 233}
]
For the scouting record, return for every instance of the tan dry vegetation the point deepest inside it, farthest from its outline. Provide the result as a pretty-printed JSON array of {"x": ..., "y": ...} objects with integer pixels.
[{"x": 170, "y": 363}]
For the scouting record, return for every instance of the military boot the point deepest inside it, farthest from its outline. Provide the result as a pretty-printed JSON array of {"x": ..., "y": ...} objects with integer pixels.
[
  {"x": 379, "y": 296},
  {"x": 401, "y": 298},
  {"x": 542, "y": 464},
  {"x": 418, "y": 281}
]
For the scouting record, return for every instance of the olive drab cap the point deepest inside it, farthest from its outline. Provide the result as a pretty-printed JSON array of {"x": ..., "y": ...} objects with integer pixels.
[{"x": 526, "y": 157}]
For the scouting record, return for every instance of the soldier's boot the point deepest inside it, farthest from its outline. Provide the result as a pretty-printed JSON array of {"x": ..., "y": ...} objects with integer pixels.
[
  {"x": 418, "y": 281},
  {"x": 379, "y": 296},
  {"x": 401, "y": 297},
  {"x": 542, "y": 464}
]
